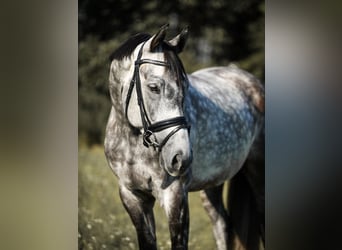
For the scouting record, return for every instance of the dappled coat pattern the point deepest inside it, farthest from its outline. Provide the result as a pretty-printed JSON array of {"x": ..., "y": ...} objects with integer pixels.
[{"x": 224, "y": 107}]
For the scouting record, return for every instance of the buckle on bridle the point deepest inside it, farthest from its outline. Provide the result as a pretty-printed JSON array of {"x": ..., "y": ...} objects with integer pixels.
[{"x": 147, "y": 141}]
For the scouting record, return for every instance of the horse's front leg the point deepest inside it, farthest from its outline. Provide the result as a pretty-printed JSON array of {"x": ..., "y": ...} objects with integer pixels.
[
  {"x": 175, "y": 201},
  {"x": 140, "y": 208}
]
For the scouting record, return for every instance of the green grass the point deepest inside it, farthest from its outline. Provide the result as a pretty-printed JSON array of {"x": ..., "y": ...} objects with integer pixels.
[{"x": 104, "y": 223}]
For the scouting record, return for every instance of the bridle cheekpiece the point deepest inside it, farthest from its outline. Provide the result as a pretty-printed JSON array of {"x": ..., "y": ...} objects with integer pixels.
[{"x": 178, "y": 122}]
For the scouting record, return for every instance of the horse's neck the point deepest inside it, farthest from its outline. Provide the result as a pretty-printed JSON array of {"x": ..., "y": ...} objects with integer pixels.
[
  {"x": 120, "y": 138},
  {"x": 117, "y": 122},
  {"x": 117, "y": 79},
  {"x": 121, "y": 74}
]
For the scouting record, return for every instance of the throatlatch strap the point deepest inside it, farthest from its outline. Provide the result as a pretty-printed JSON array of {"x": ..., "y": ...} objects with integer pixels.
[{"x": 135, "y": 78}]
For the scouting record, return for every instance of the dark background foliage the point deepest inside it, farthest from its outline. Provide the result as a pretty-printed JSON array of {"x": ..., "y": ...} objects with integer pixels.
[{"x": 221, "y": 32}]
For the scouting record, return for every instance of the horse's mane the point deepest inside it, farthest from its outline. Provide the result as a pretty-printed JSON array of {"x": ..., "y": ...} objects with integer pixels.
[{"x": 127, "y": 48}]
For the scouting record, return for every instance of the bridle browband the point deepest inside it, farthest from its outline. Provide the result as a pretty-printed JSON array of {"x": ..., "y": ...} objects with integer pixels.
[{"x": 178, "y": 122}]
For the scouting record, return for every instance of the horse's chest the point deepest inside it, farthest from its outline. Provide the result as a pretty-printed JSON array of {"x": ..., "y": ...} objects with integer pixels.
[
  {"x": 137, "y": 170},
  {"x": 138, "y": 176},
  {"x": 134, "y": 165}
]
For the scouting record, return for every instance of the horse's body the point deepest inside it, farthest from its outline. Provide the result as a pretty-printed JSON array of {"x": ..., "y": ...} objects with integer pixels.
[{"x": 224, "y": 107}]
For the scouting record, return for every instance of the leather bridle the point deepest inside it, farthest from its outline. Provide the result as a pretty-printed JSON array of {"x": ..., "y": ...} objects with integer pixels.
[{"x": 150, "y": 129}]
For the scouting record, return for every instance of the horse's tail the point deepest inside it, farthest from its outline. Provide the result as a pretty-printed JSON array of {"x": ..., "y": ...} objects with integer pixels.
[{"x": 246, "y": 201}]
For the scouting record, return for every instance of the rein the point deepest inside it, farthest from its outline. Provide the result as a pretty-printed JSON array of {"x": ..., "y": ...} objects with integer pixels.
[{"x": 178, "y": 122}]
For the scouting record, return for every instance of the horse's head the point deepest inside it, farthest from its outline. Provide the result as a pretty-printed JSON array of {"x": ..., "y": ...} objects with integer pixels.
[{"x": 153, "y": 84}]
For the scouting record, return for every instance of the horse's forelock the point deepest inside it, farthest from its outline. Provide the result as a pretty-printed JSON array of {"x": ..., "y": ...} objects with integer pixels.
[
  {"x": 176, "y": 65},
  {"x": 171, "y": 57}
]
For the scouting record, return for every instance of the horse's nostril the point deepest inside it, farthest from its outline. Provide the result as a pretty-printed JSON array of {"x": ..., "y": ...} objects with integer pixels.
[{"x": 177, "y": 162}]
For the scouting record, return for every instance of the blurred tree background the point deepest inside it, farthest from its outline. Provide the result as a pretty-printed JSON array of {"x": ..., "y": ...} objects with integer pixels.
[{"x": 221, "y": 32}]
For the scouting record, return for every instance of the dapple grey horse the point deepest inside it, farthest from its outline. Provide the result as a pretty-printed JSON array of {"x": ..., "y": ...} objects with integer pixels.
[{"x": 170, "y": 133}]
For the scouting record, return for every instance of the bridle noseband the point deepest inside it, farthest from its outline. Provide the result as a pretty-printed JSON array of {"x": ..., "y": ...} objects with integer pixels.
[{"x": 178, "y": 122}]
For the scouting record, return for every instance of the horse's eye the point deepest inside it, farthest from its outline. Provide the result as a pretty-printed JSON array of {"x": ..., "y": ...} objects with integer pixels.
[{"x": 154, "y": 88}]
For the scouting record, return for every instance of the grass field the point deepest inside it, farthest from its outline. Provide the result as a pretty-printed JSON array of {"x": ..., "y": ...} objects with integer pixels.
[{"x": 103, "y": 222}]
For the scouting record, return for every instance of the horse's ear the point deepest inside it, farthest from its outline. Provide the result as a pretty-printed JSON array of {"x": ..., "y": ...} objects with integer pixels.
[
  {"x": 179, "y": 41},
  {"x": 159, "y": 37}
]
